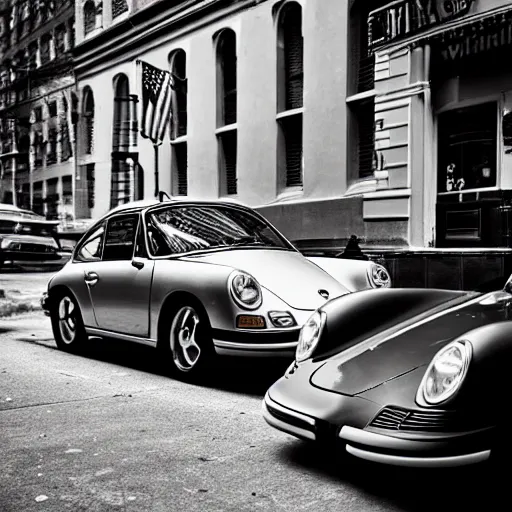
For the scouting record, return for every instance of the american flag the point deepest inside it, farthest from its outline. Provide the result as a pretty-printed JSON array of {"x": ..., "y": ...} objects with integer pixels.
[{"x": 157, "y": 87}]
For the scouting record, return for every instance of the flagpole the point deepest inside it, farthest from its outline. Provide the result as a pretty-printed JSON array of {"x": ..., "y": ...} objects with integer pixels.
[{"x": 157, "y": 187}]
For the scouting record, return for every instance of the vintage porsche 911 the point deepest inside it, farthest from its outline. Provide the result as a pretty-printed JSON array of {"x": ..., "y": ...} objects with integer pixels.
[
  {"x": 411, "y": 377},
  {"x": 195, "y": 279}
]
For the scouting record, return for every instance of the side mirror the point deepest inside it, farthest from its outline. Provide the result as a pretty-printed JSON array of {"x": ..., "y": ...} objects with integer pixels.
[{"x": 137, "y": 262}]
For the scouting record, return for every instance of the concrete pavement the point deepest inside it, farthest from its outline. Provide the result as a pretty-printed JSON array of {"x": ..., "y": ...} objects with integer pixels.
[{"x": 106, "y": 430}]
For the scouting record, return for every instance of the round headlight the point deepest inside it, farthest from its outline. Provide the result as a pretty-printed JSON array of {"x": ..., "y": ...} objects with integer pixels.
[
  {"x": 378, "y": 276},
  {"x": 445, "y": 373},
  {"x": 310, "y": 335},
  {"x": 245, "y": 290}
]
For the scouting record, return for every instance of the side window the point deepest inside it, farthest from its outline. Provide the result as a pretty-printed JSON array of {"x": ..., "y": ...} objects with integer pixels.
[
  {"x": 120, "y": 238},
  {"x": 140, "y": 245},
  {"x": 90, "y": 250}
]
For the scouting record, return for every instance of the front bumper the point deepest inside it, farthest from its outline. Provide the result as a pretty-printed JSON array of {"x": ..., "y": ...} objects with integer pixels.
[
  {"x": 316, "y": 415},
  {"x": 263, "y": 343}
]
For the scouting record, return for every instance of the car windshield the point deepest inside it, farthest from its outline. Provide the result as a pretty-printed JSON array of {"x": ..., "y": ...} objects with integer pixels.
[{"x": 182, "y": 229}]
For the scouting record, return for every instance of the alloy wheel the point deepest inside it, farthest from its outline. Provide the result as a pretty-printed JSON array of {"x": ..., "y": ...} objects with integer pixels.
[
  {"x": 183, "y": 339},
  {"x": 67, "y": 320}
]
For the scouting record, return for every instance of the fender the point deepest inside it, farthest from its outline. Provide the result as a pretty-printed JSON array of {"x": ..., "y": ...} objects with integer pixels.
[{"x": 353, "y": 274}]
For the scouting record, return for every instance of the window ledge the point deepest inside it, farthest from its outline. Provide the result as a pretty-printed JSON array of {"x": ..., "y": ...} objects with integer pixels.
[
  {"x": 290, "y": 113},
  {"x": 360, "y": 96},
  {"x": 226, "y": 128},
  {"x": 290, "y": 193},
  {"x": 179, "y": 140},
  {"x": 468, "y": 191}
]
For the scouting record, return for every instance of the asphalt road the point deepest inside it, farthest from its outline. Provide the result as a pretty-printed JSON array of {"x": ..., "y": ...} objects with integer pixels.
[{"x": 107, "y": 430}]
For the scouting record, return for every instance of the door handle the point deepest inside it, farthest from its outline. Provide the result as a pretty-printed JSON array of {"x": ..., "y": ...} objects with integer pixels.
[
  {"x": 91, "y": 278},
  {"x": 137, "y": 262}
]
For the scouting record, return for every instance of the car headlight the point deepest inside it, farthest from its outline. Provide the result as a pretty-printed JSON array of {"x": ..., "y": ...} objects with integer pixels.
[
  {"x": 245, "y": 290},
  {"x": 445, "y": 373},
  {"x": 378, "y": 276},
  {"x": 310, "y": 335}
]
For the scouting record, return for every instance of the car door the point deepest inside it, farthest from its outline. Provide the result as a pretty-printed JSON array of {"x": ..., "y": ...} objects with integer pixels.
[
  {"x": 87, "y": 256},
  {"x": 120, "y": 285}
]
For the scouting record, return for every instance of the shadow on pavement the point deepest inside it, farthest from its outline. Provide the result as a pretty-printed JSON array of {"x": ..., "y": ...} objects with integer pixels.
[
  {"x": 410, "y": 489},
  {"x": 251, "y": 376}
]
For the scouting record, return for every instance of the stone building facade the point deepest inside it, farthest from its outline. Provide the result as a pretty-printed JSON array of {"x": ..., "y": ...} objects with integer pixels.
[{"x": 37, "y": 106}]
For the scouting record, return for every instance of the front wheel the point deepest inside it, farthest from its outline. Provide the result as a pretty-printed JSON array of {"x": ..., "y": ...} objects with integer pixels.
[
  {"x": 67, "y": 325},
  {"x": 187, "y": 342}
]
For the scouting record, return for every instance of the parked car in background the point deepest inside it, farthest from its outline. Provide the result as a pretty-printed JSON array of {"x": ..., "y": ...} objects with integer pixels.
[
  {"x": 28, "y": 239},
  {"x": 195, "y": 279},
  {"x": 408, "y": 377}
]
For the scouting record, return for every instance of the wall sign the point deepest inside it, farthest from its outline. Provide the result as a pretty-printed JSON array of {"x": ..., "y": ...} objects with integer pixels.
[{"x": 404, "y": 18}]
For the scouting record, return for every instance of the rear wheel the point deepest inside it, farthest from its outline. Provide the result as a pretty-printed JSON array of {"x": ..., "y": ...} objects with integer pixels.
[
  {"x": 67, "y": 324},
  {"x": 186, "y": 342}
]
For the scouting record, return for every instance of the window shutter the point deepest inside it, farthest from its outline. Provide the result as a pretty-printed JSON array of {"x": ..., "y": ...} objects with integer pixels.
[
  {"x": 181, "y": 168},
  {"x": 229, "y": 150},
  {"x": 292, "y": 131},
  {"x": 229, "y": 76},
  {"x": 366, "y": 142},
  {"x": 294, "y": 58}
]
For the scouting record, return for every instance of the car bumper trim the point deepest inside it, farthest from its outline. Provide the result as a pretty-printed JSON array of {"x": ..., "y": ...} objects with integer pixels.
[
  {"x": 373, "y": 440},
  {"x": 255, "y": 346},
  {"x": 287, "y": 427}
]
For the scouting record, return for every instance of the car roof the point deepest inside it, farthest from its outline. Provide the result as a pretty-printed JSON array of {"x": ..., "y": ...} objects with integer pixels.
[{"x": 148, "y": 203}]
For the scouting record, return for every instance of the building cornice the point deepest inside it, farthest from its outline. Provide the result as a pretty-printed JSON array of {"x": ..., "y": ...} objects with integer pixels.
[{"x": 142, "y": 30}]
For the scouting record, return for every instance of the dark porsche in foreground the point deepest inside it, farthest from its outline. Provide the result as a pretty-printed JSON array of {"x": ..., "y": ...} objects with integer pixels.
[{"x": 408, "y": 377}]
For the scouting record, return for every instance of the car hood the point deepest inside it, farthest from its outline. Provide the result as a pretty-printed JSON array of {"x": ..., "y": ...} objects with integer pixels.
[
  {"x": 408, "y": 345},
  {"x": 287, "y": 274}
]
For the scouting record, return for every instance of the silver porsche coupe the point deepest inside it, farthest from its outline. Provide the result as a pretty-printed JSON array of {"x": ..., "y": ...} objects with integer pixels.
[{"x": 195, "y": 279}]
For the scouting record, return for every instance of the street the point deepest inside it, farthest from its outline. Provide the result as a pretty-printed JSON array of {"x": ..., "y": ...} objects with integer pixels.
[{"x": 108, "y": 430}]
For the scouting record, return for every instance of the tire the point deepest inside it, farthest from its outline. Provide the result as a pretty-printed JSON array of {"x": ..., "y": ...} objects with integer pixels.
[
  {"x": 186, "y": 343},
  {"x": 67, "y": 324}
]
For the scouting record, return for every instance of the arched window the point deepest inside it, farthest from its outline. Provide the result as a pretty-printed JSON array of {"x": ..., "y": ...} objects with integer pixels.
[
  {"x": 227, "y": 111},
  {"x": 178, "y": 65},
  {"x": 179, "y": 153},
  {"x": 290, "y": 93},
  {"x": 89, "y": 16},
  {"x": 127, "y": 177},
  {"x": 88, "y": 121}
]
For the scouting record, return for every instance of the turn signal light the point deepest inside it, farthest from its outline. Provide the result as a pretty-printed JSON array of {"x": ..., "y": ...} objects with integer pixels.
[{"x": 250, "y": 322}]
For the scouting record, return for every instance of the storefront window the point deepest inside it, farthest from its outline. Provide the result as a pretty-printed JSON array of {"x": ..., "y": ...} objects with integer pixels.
[{"x": 467, "y": 148}]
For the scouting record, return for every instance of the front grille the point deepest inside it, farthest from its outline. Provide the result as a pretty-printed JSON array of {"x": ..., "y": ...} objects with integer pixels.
[{"x": 393, "y": 418}]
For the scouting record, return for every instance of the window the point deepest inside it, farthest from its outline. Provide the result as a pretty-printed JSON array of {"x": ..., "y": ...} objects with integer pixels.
[
  {"x": 67, "y": 189},
  {"x": 51, "y": 157},
  {"x": 290, "y": 93},
  {"x": 120, "y": 238},
  {"x": 227, "y": 111},
  {"x": 60, "y": 39},
  {"x": 467, "y": 146},
  {"x": 52, "y": 109},
  {"x": 45, "y": 48},
  {"x": 179, "y": 156},
  {"x": 119, "y": 7},
  {"x": 361, "y": 79},
  {"x": 88, "y": 121},
  {"x": 37, "y": 198},
  {"x": 179, "y": 165},
  {"x": 126, "y": 172},
  {"x": 89, "y": 17},
  {"x": 90, "y": 250},
  {"x": 84, "y": 190},
  {"x": 38, "y": 114},
  {"x": 178, "y": 61}
]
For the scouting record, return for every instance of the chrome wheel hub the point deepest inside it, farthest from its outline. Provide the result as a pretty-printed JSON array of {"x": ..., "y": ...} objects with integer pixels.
[
  {"x": 67, "y": 320},
  {"x": 185, "y": 349}
]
